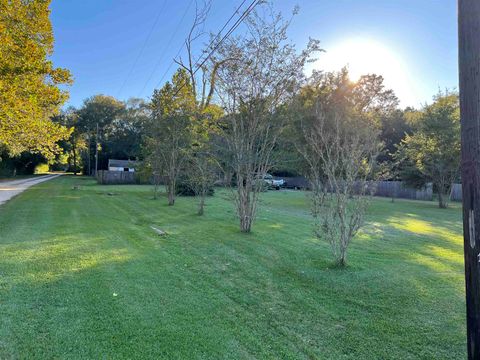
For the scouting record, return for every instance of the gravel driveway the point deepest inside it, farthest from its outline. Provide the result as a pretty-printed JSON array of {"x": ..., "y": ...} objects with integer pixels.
[{"x": 9, "y": 189}]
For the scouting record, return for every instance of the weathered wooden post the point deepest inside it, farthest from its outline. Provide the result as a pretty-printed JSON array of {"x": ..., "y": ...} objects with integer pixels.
[{"x": 469, "y": 66}]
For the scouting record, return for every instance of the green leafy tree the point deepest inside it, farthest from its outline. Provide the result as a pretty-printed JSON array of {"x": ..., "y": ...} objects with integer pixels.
[
  {"x": 261, "y": 71},
  {"x": 432, "y": 152},
  {"x": 394, "y": 126},
  {"x": 202, "y": 167},
  {"x": 29, "y": 83},
  {"x": 169, "y": 131},
  {"x": 335, "y": 91},
  {"x": 123, "y": 137},
  {"x": 72, "y": 147},
  {"x": 96, "y": 115}
]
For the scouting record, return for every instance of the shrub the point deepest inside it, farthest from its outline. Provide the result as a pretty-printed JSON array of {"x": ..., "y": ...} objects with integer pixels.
[{"x": 183, "y": 188}]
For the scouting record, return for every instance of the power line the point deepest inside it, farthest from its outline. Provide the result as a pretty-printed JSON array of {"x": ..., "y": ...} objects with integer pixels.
[
  {"x": 166, "y": 47},
  {"x": 142, "y": 48},
  {"x": 232, "y": 29},
  {"x": 209, "y": 45},
  {"x": 170, "y": 66},
  {"x": 229, "y": 32}
]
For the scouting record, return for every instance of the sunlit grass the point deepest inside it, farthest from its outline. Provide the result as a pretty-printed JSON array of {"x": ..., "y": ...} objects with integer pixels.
[{"x": 83, "y": 275}]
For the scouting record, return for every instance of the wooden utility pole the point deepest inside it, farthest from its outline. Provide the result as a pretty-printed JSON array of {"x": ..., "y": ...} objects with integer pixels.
[{"x": 469, "y": 66}]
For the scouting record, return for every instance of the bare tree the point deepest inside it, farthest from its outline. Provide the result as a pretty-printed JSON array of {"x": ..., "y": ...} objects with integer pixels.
[
  {"x": 202, "y": 74},
  {"x": 261, "y": 71},
  {"x": 339, "y": 150}
]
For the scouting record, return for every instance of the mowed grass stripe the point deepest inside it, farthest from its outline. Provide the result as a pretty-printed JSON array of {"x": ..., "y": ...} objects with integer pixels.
[{"x": 208, "y": 291}]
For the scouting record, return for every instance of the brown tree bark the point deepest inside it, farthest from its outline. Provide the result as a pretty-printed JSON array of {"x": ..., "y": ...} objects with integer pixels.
[
  {"x": 201, "y": 205},
  {"x": 171, "y": 192}
]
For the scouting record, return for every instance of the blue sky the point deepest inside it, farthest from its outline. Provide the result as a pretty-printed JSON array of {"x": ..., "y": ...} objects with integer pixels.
[{"x": 413, "y": 43}]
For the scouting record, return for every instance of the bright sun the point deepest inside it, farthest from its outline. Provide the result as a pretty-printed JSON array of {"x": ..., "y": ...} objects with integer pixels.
[{"x": 364, "y": 56}]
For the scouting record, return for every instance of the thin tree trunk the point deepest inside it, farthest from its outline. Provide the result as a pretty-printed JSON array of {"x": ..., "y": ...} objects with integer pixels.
[
  {"x": 96, "y": 152},
  {"x": 155, "y": 190},
  {"x": 201, "y": 205},
  {"x": 342, "y": 262},
  {"x": 443, "y": 197},
  {"x": 442, "y": 200},
  {"x": 74, "y": 147},
  {"x": 171, "y": 192},
  {"x": 245, "y": 223},
  {"x": 89, "y": 155},
  {"x": 244, "y": 210}
]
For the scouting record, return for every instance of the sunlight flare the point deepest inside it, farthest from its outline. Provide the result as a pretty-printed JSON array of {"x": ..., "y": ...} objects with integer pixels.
[{"x": 366, "y": 56}]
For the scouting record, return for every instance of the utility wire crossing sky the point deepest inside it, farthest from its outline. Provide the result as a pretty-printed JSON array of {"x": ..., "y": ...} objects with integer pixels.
[{"x": 126, "y": 48}]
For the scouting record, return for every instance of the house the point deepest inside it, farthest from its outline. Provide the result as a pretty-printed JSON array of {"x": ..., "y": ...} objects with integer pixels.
[{"x": 121, "y": 165}]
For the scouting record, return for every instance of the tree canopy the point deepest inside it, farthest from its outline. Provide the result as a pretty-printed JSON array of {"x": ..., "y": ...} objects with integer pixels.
[
  {"x": 432, "y": 152},
  {"x": 29, "y": 83}
]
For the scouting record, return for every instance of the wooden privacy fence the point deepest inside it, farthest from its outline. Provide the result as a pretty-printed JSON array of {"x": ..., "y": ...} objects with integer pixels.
[
  {"x": 397, "y": 189},
  {"x": 393, "y": 189},
  {"x": 106, "y": 177},
  {"x": 456, "y": 192}
]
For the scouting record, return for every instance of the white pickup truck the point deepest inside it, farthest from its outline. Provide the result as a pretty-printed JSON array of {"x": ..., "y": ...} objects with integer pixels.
[{"x": 273, "y": 183}]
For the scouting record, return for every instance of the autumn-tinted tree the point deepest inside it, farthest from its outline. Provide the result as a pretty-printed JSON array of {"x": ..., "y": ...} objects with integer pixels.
[{"x": 29, "y": 83}]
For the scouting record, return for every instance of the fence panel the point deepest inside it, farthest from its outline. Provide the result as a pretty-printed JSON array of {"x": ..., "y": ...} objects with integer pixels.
[
  {"x": 456, "y": 193},
  {"x": 106, "y": 177}
]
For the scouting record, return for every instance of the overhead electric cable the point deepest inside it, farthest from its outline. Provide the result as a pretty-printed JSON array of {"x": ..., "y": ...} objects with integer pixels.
[
  {"x": 140, "y": 53},
  {"x": 230, "y": 31},
  {"x": 162, "y": 54},
  {"x": 209, "y": 45}
]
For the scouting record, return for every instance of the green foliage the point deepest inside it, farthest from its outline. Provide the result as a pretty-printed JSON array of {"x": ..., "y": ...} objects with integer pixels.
[
  {"x": 185, "y": 188},
  {"x": 99, "y": 109},
  {"x": 121, "y": 128},
  {"x": 170, "y": 133},
  {"x": 29, "y": 84},
  {"x": 262, "y": 72},
  {"x": 394, "y": 126},
  {"x": 432, "y": 152},
  {"x": 74, "y": 147},
  {"x": 23, "y": 164},
  {"x": 362, "y": 106},
  {"x": 42, "y": 169}
]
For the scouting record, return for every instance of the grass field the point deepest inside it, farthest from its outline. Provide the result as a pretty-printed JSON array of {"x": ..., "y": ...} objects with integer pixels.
[{"x": 83, "y": 275}]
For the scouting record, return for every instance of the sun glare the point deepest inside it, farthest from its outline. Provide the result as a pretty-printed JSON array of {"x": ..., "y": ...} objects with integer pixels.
[{"x": 365, "y": 56}]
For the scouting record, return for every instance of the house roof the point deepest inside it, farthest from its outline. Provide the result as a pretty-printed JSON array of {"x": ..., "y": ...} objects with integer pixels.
[{"x": 121, "y": 163}]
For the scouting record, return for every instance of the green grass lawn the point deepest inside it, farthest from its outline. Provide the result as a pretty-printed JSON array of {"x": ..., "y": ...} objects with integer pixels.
[{"x": 83, "y": 275}]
